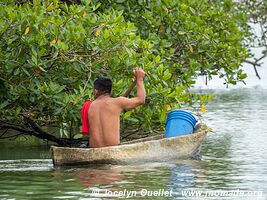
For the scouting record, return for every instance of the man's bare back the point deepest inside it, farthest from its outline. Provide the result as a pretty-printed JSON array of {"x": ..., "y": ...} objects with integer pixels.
[{"x": 104, "y": 114}]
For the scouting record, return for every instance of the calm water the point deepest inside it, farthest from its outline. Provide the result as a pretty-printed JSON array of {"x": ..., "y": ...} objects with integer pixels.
[{"x": 234, "y": 158}]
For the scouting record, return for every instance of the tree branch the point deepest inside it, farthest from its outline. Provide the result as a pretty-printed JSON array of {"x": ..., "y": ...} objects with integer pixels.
[
  {"x": 33, "y": 129},
  {"x": 256, "y": 64},
  {"x": 41, "y": 133},
  {"x": 252, "y": 63},
  {"x": 4, "y": 133},
  {"x": 15, "y": 127},
  {"x": 256, "y": 71}
]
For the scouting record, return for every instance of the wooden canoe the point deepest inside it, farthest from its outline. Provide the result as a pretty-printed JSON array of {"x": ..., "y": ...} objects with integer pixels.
[{"x": 151, "y": 149}]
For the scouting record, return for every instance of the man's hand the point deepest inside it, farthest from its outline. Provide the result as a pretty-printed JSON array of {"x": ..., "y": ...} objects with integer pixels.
[{"x": 139, "y": 73}]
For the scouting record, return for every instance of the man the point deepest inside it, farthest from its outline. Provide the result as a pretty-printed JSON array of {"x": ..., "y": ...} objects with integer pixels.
[{"x": 104, "y": 111}]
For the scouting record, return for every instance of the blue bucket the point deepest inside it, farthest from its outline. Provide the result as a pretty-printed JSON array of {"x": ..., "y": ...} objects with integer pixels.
[
  {"x": 191, "y": 118},
  {"x": 179, "y": 123}
]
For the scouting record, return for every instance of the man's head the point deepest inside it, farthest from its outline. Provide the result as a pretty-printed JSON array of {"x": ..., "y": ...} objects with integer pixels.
[{"x": 102, "y": 85}]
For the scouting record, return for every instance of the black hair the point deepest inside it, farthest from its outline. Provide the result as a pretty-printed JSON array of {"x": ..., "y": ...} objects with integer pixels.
[{"x": 103, "y": 85}]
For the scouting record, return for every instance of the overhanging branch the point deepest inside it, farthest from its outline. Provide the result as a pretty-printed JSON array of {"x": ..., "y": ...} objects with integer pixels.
[
  {"x": 33, "y": 129},
  {"x": 256, "y": 64}
]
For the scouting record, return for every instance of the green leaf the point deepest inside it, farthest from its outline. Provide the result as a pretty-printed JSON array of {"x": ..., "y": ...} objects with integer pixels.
[
  {"x": 78, "y": 136},
  {"x": 26, "y": 72},
  {"x": 3, "y": 104},
  {"x": 106, "y": 34},
  {"x": 42, "y": 69},
  {"x": 243, "y": 76},
  {"x": 127, "y": 114},
  {"x": 166, "y": 75},
  {"x": 133, "y": 119},
  {"x": 157, "y": 59}
]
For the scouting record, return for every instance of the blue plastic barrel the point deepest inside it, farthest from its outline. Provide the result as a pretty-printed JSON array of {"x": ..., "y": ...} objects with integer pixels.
[{"x": 179, "y": 122}]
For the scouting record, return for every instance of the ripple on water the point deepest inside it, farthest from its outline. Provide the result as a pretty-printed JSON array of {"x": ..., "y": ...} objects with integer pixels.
[{"x": 26, "y": 165}]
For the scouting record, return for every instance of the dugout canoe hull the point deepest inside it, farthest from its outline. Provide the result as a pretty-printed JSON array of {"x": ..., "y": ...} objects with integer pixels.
[{"x": 151, "y": 149}]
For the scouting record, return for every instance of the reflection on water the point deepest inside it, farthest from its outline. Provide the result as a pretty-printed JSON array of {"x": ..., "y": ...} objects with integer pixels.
[
  {"x": 233, "y": 158},
  {"x": 91, "y": 177}
]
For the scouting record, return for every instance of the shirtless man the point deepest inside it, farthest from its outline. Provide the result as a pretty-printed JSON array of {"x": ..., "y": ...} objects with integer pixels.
[{"x": 104, "y": 112}]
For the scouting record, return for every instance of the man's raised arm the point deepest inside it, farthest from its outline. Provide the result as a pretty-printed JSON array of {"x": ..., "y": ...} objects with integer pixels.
[{"x": 129, "y": 103}]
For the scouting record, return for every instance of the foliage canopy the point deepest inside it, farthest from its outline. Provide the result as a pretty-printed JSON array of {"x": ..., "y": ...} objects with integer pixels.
[{"x": 50, "y": 53}]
